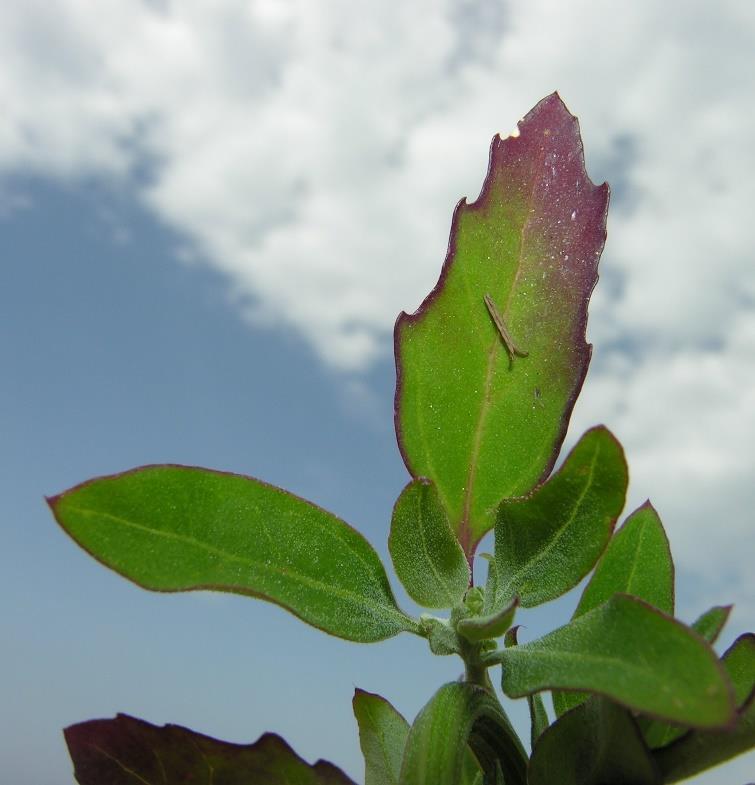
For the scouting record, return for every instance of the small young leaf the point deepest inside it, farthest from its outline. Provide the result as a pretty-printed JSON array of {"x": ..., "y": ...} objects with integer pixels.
[
  {"x": 126, "y": 751},
  {"x": 708, "y": 626},
  {"x": 461, "y": 714},
  {"x": 698, "y": 750},
  {"x": 638, "y": 562},
  {"x": 473, "y": 414},
  {"x": 177, "y": 528},
  {"x": 632, "y": 653},
  {"x": 382, "y": 737},
  {"x": 479, "y": 628},
  {"x": 426, "y": 554},
  {"x": 442, "y": 638},
  {"x": 511, "y": 638},
  {"x": 547, "y": 542},
  {"x": 594, "y": 744}
]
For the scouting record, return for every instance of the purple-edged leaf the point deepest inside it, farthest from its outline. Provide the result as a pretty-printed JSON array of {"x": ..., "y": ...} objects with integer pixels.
[
  {"x": 708, "y": 626},
  {"x": 638, "y": 562},
  {"x": 699, "y": 750},
  {"x": 511, "y": 638},
  {"x": 629, "y": 652},
  {"x": 426, "y": 555},
  {"x": 382, "y": 737},
  {"x": 127, "y": 751},
  {"x": 547, "y": 542},
  {"x": 457, "y": 716},
  {"x": 594, "y": 744},
  {"x": 489, "y": 367},
  {"x": 177, "y": 528}
]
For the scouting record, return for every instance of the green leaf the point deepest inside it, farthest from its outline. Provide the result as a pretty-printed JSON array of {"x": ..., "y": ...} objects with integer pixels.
[
  {"x": 699, "y": 750},
  {"x": 440, "y": 635},
  {"x": 471, "y": 773},
  {"x": 739, "y": 661},
  {"x": 547, "y": 542},
  {"x": 491, "y": 593},
  {"x": 638, "y": 562},
  {"x": 538, "y": 714},
  {"x": 708, "y": 626},
  {"x": 594, "y": 744},
  {"x": 481, "y": 423},
  {"x": 127, "y": 751},
  {"x": 426, "y": 554},
  {"x": 538, "y": 717},
  {"x": 382, "y": 737},
  {"x": 631, "y": 653},
  {"x": 177, "y": 528},
  {"x": 461, "y": 714},
  {"x": 480, "y": 628}
]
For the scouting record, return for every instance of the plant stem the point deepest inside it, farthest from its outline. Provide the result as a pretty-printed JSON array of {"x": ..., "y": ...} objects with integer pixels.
[{"x": 477, "y": 673}]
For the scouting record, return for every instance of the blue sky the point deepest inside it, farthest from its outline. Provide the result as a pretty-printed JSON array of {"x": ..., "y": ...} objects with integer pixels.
[{"x": 209, "y": 219}]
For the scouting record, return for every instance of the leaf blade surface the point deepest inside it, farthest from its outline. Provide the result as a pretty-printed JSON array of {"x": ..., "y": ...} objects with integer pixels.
[
  {"x": 637, "y": 562},
  {"x": 382, "y": 737},
  {"x": 547, "y": 542},
  {"x": 708, "y": 626},
  {"x": 699, "y": 750},
  {"x": 593, "y": 744},
  {"x": 630, "y": 652},
  {"x": 426, "y": 555}
]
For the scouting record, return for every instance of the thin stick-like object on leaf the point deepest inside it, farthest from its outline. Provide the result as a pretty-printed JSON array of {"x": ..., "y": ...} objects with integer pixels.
[{"x": 508, "y": 341}]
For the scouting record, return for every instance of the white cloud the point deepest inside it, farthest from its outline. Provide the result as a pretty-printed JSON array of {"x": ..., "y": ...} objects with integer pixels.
[{"x": 314, "y": 152}]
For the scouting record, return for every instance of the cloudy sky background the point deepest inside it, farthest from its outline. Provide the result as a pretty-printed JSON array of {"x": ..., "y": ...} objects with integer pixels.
[{"x": 210, "y": 216}]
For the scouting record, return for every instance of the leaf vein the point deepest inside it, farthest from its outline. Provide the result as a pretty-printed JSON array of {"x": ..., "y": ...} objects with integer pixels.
[{"x": 285, "y": 573}]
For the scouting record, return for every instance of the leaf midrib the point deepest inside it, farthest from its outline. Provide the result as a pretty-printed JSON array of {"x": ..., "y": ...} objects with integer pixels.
[
  {"x": 285, "y": 573},
  {"x": 387, "y": 761},
  {"x": 558, "y": 533},
  {"x": 465, "y": 527},
  {"x": 635, "y": 557},
  {"x": 445, "y": 589},
  {"x": 122, "y": 766}
]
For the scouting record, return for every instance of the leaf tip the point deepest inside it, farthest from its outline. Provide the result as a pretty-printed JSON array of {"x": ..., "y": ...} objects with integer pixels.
[
  {"x": 647, "y": 506},
  {"x": 53, "y": 501},
  {"x": 359, "y": 696}
]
